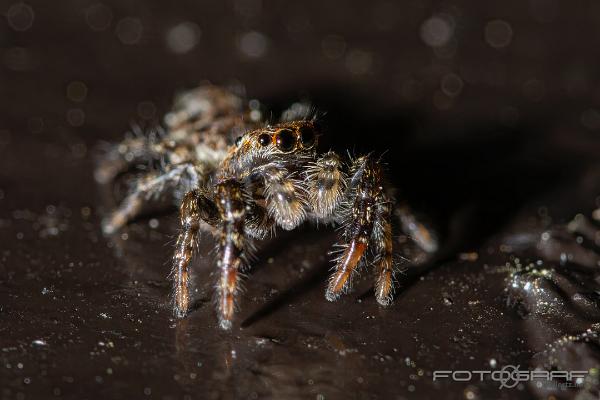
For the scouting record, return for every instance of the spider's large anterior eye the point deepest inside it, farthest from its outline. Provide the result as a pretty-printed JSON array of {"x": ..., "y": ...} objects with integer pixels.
[
  {"x": 264, "y": 139},
  {"x": 286, "y": 140},
  {"x": 238, "y": 141},
  {"x": 307, "y": 136}
]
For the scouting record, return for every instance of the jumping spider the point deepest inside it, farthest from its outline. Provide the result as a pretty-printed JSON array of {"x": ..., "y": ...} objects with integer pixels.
[{"x": 241, "y": 190}]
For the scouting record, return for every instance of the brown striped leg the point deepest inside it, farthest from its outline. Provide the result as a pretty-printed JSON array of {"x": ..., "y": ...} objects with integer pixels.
[
  {"x": 382, "y": 241},
  {"x": 232, "y": 210},
  {"x": 194, "y": 208},
  {"x": 366, "y": 194}
]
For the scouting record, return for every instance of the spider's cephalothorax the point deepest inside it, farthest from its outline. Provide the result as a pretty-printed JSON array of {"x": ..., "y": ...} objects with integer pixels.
[{"x": 240, "y": 179}]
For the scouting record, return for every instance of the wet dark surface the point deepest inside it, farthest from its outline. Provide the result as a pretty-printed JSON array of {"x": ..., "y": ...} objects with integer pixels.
[{"x": 493, "y": 136}]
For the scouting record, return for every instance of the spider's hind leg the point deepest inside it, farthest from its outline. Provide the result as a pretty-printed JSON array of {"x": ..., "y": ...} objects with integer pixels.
[
  {"x": 424, "y": 236},
  {"x": 152, "y": 185},
  {"x": 138, "y": 149}
]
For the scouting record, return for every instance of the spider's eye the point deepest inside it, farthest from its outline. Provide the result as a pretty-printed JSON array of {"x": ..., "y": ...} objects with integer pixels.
[
  {"x": 307, "y": 136},
  {"x": 264, "y": 139},
  {"x": 286, "y": 140},
  {"x": 238, "y": 141}
]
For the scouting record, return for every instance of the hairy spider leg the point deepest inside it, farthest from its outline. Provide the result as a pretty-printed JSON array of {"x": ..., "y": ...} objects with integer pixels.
[
  {"x": 384, "y": 265},
  {"x": 423, "y": 236},
  {"x": 152, "y": 185},
  {"x": 131, "y": 151},
  {"x": 232, "y": 244},
  {"x": 365, "y": 193},
  {"x": 195, "y": 207}
]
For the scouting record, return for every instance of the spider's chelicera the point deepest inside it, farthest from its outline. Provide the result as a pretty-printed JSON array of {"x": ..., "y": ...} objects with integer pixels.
[{"x": 240, "y": 179}]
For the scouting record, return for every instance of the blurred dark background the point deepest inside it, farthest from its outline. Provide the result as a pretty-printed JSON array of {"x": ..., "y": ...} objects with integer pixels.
[
  {"x": 481, "y": 108},
  {"x": 473, "y": 101}
]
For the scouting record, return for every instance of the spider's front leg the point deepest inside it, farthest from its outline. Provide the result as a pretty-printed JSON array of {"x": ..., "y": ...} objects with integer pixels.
[
  {"x": 232, "y": 246},
  {"x": 384, "y": 264},
  {"x": 195, "y": 207},
  {"x": 367, "y": 221}
]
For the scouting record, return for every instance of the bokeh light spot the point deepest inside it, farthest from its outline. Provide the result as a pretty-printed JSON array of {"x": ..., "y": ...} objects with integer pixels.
[
  {"x": 253, "y": 44},
  {"x": 98, "y": 17},
  {"x": 183, "y": 37},
  {"x": 359, "y": 62},
  {"x": 129, "y": 30},
  {"x": 20, "y": 17},
  {"x": 451, "y": 85},
  {"x": 77, "y": 91},
  {"x": 498, "y": 33},
  {"x": 437, "y": 30},
  {"x": 75, "y": 117}
]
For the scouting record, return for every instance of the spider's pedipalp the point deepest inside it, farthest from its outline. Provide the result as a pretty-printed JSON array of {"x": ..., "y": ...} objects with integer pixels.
[
  {"x": 285, "y": 196},
  {"x": 326, "y": 185}
]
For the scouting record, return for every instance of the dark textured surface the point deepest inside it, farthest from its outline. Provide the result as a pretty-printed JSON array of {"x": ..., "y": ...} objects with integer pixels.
[{"x": 509, "y": 154}]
